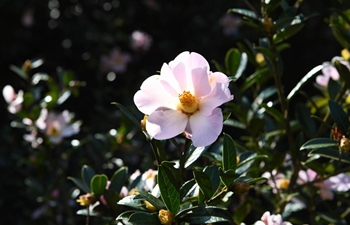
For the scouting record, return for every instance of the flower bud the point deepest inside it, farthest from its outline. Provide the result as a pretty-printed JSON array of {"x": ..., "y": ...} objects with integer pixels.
[
  {"x": 268, "y": 25},
  {"x": 143, "y": 123},
  {"x": 345, "y": 54},
  {"x": 165, "y": 217},
  {"x": 27, "y": 66},
  {"x": 260, "y": 59},
  {"x": 283, "y": 183},
  {"x": 345, "y": 144},
  {"x": 149, "y": 206},
  {"x": 87, "y": 199},
  {"x": 240, "y": 187}
]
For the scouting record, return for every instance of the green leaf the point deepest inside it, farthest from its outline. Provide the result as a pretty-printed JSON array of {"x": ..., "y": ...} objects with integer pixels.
[
  {"x": 204, "y": 183},
  {"x": 151, "y": 199},
  {"x": 229, "y": 157},
  {"x": 344, "y": 72},
  {"x": 287, "y": 32},
  {"x": 187, "y": 188},
  {"x": 339, "y": 116},
  {"x": 132, "y": 201},
  {"x": 204, "y": 214},
  {"x": 319, "y": 143},
  {"x": 19, "y": 72},
  {"x": 258, "y": 76},
  {"x": 169, "y": 193},
  {"x": 250, "y": 180},
  {"x": 118, "y": 179},
  {"x": 273, "y": 112},
  {"x": 143, "y": 218},
  {"x": 80, "y": 184},
  {"x": 333, "y": 88},
  {"x": 194, "y": 154},
  {"x": 128, "y": 114},
  {"x": 112, "y": 198},
  {"x": 87, "y": 174},
  {"x": 213, "y": 173},
  {"x": 227, "y": 177},
  {"x": 272, "y": 4},
  {"x": 244, "y": 12},
  {"x": 303, "y": 81},
  {"x": 235, "y": 62},
  {"x": 331, "y": 153},
  {"x": 304, "y": 117},
  {"x": 247, "y": 161},
  {"x": 98, "y": 184}
]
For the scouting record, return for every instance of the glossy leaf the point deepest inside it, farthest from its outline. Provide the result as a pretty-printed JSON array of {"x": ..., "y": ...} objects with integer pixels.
[
  {"x": 339, "y": 116},
  {"x": 193, "y": 154},
  {"x": 133, "y": 202},
  {"x": 80, "y": 184},
  {"x": 227, "y": 177},
  {"x": 303, "y": 81},
  {"x": 98, "y": 184},
  {"x": 246, "y": 162},
  {"x": 257, "y": 77},
  {"x": 229, "y": 161},
  {"x": 244, "y": 12},
  {"x": 250, "y": 180},
  {"x": 204, "y": 214},
  {"x": 213, "y": 173},
  {"x": 187, "y": 188},
  {"x": 271, "y": 5},
  {"x": 151, "y": 199},
  {"x": 333, "y": 89},
  {"x": 204, "y": 183},
  {"x": 167, "y": 187},
  {"x": 331, "y": 153},
  {"x": 288, "y": 32},
  {"x": 87, "y": 174},
  {"x": 144, "y": 218},
  {"x": 319, "y": 143},
  {"x": 118, "y": 179}
]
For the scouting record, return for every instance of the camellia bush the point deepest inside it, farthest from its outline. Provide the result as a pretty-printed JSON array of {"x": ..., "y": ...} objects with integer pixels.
[{"x": 200, "y": 141}]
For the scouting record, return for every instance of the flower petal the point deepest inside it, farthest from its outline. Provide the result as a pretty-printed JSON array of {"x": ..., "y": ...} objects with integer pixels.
[
  {"x": 9, "y": 93},
  {"x": 198, "y": 61},
  {"x": 153, "y": 96},
  {"x": 165, "y": 124},
  {"x": 218, "y": 96},
  {"x": 206, "y": 129},
  {"x": 200, "y": 81}
]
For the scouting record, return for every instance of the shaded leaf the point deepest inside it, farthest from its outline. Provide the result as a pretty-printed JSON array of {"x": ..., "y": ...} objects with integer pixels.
[
  {"x": 153, "y": 200},
  {"x": 187, "y": 188},
  {"x": 229, "y": 160},
  {"x": 288, "y": 32},
  {"x": 331, "y": 153},
  {"x": 204, "y": 183},
  {"x": 80, "y": 184},
  {"x": 128, "y": 114},
  {"x": 87, "y": 174},
  {"x": 169, "y": 193},
  {"x": 118, "y": 179},
  {"x": 19, "y": 72},
  {"x": 143, "y": 218},
  {"x": 227, "y": 177},
  {"x": 213, "y": 173},
  {"x": 339, "y": 116},
  {"x": 204, "y": 214},
  {"x": 244, "y": 12}
]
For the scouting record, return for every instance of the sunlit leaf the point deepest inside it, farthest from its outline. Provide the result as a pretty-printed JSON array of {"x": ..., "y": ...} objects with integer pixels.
[
  {"x": 319, "y": 143},
  {"x": 153, "y": 200},
  {"x": 244, "y": 12},
  {"x": 98, "y": 184},
  {"x": 186, "y": 188},
  {"x": 204, "y": 214},
  {"x": 133, "y": 202},
  {"x": 194, "y": 154}
]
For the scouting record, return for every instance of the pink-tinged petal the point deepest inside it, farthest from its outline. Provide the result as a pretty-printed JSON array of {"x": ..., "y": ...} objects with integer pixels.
[
  {"x": 312, "y": 175},
  {"x": 40, "y": 122},
  {"x": 182, "y": 57},
  {"x": 168, "y": 80},
  {"x": 218, "y": 77},
  {"x": 153, "y": 96},
  {"x": 198, "y": 61},
  {"x": 180, "y": 75},
  {"x": 9, "y": 93},
  {"x": 322, "y": 80},
  {"x": 330, "y": 71},
  {"x": 265, "y": 217},
  {"x": 206, "y": 129},
  {"x": 218, "y": 96},
  {"x": 166, "y": 124},
  {"x": 200, "y": 82},
  {"x": 70, "y": 129}
]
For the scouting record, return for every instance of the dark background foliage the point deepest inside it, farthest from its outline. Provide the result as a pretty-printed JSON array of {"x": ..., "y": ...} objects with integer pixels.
[{"x": 83, "y": 31}]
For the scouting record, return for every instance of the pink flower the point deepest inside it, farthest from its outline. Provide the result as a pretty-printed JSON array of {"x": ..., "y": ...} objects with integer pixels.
[
  {"x": 56, "y": 126},
  {"x": 115, "y": 61},
  {"x": 230, "y": 24},
  {"x": 140, "y": 41},
  {"x": 185, "y": 97},
  {"x": 277, "y": 181},
  {"x": 339, "y": 183},
  {"x": 14, "y": 100},
  {"x": 329, "y": 71},
  {"x": 272, "y": 219}
]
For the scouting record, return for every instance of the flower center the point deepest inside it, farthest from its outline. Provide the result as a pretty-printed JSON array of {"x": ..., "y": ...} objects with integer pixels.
[
  {"x": 53, "y": 130},
  {"x": 188, "y": 102}
]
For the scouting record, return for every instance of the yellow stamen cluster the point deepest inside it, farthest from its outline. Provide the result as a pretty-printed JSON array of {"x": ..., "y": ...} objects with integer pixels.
[
  {"x": 86, "y": 200},
  {"x": 188, "y": 103},
  {"x": 53, "y": 131},
  {"x": 283, "y": 183}
]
